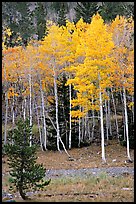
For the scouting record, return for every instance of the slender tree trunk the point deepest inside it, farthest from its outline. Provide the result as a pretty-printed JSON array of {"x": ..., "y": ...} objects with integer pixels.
[
  {"x": 79, "y": 133},
  {"x": 133, "y": 110},
  {"x": 13, "y": 115},
  {"x": 24, "y": 111},
  {"x": 93, "y": 123},
  {"x": 57, "y": 120},
  {"x": 88, "y": 128},
  {"x": 126, "y": 123},
  {"x": 30, "y": 106},
  {"x": 85, "y": 128},
  {"x": 59, "y": 137},
  {"x": 13, "y": 112},
  {"x": 69, "y": 116},
  {"x": 6, "y": 119},
  {"x": 109, "y": 115},
  {"x": 38, "y": 122},
  {"x": 22, "y": 194},
  {"x": 82, "y": 129},
  {"x": 123, "y": 116},
  {"x": 67, "y": 138},
  {"x": 115, "y": 112},
  {"x": 43, "y": 116},
  {"x": 106, "y": 122},
  {"x": 39, "y": 129},
  {"x": 101, "y": 120}
]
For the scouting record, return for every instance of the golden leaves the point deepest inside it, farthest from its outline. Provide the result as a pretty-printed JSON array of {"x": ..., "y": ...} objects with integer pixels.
[{"x": 82, "y": 51}]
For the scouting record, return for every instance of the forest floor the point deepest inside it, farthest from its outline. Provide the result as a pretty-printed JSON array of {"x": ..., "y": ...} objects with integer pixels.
[{"x": 100, "y": 188}]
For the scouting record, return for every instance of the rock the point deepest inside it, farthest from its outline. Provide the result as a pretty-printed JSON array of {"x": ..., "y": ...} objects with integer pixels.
[
  {"x": 71, "y": 159},
  {"x": 127, "y": 189},
  {"x": 10, "y": 201},
  {"x": 128, "y": 161}
]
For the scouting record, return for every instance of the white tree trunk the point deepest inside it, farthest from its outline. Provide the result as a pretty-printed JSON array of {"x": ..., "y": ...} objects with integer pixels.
[
  {"x": 38, "y": 122},
  {"x": 126, "y": 123},
  {"x": 56, "y": 100},
  {"x": 39, "y": 128},
  {"x": 59, "y": 137},
  {"x": 82, "y": 129},
  {"x": 70, "y": 116},
  {"x": 106, "y": 122},
  {"x": 85, "y": 136},
  {"x": 133, "y": 109},
  {"x": 93, "y": 123},
  {"x": 115, "y": 112},
  {"x": 43, "y": 116},
  {"x": 30, "y": 106},
  {"x": 79, "y": 133},
  {"x": 123, "y": 116},
  {"x": 101, "y": 120},
  {"x": 13, "y": 115},
  {"x": 109, "y": 115},
  {"x": 24, "y": 111},
  {"x": 6, "y": 118}
]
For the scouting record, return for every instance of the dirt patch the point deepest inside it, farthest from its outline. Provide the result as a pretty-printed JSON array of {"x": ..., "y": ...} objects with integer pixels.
[{"x": 86, "y": 157}]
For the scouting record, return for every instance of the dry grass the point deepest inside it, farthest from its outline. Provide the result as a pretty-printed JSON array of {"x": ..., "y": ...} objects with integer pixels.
[{"x": 91, "y": 189}]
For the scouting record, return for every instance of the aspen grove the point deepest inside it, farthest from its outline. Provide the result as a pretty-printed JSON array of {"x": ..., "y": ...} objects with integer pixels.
[{"x": 71, "y": 83}]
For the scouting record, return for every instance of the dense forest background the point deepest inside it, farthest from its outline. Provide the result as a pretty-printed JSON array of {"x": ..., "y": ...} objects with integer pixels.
[
  {"x": 18, "y": 15},
  {"x": 48, "y": 109}
]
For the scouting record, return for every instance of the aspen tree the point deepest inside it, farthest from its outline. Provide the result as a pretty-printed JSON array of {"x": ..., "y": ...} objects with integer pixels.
[
  {"x": 92, "y": 76},
  {"x": 123, "y": 30}
]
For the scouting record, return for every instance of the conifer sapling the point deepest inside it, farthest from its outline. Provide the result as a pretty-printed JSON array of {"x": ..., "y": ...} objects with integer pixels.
[{"x": 26, "y": 173}]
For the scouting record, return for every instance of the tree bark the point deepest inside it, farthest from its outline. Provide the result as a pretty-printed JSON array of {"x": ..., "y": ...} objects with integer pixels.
[
  {"x": 126, "y": 123},
  {"x": 38, "y": 122},
  {"x": 69, "y": 116},
  {"x": 109, "y": 115},
  {"x": 30, "y": 106},
  {"x": 101, "y": 120},
  {"x": 24, "y": 111},
  {"x": 93, "y": 123},
  {"x": 6, "y": 119},
  {"x": 22, "y": 194},
  {"x": 79, "y": 133},
  {"x": 115, "y": 112},
  {"x": 43, "y": 116},
  {"x": 13, "y": 115},
  {"x": 106, "y": 122},
  {"x": 56, "y": 100}
]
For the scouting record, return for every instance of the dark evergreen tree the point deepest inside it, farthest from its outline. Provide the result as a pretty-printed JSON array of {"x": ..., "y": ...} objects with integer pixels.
[
  {"x": 22, "y": 161},
  {"x": 63, "y": 94},
  {"x": 130, "y": 131},
  {"x": 61, "y": 9},
  {"x": 63, "y": 115},
  {"x": 40, "y": 16},
  {"x": 63, "y": 111},
  {"x": 18, "y": 17},
  {"x": 62, "y": 15},
  {"x": 109, "y": 10},
  {"x": 85, "y": 10}
]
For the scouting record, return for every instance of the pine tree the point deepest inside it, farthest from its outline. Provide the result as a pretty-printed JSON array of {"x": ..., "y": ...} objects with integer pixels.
[
  {"x": 22, "y": 161},
  {"x": 109, "y": 10},
  {"x": 85, "y": 10},
  {"x": 40, "y": 15},
  {"x": 18, "y": 17},
  {"x": 62, "y": 15}
]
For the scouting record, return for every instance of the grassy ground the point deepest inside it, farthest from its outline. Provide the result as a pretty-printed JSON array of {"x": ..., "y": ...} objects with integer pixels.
[{"x": 91, "y": 189}]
